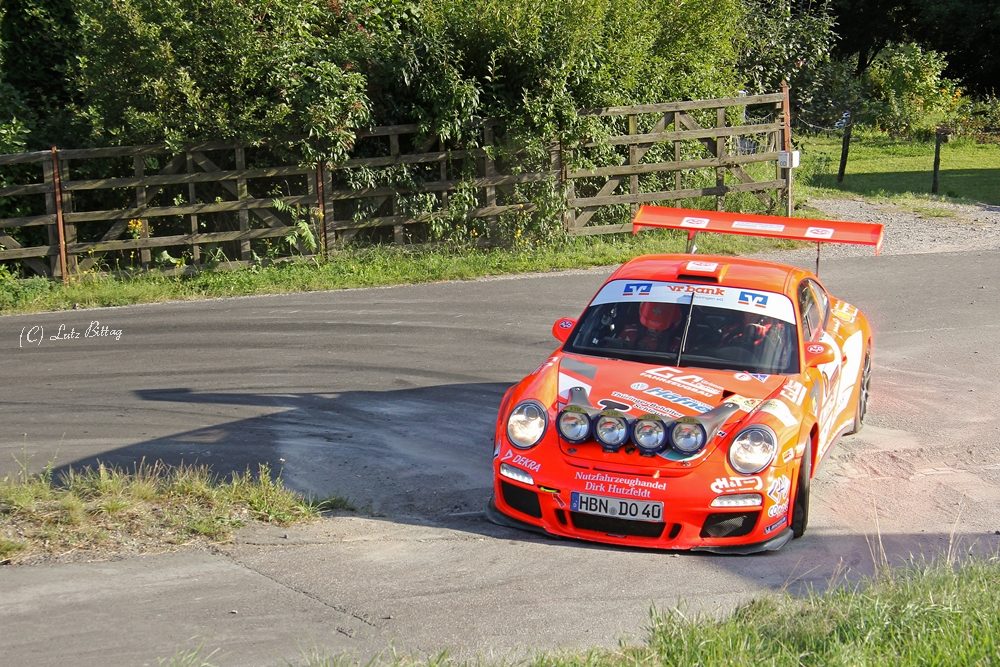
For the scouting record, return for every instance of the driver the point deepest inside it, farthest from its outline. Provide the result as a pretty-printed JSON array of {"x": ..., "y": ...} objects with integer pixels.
[
  {"x": 747, "y": 330},
  {"x": 661, "y": 322}
]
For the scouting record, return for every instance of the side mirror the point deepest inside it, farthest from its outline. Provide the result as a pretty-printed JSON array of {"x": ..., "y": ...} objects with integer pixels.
[
  {"x": 563, "y": 328},
  {"x": 818, "y": 354}
]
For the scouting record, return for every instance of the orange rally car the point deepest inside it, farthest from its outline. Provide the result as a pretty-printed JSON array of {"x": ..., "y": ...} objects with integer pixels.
[{"x": 691, "y": 403}]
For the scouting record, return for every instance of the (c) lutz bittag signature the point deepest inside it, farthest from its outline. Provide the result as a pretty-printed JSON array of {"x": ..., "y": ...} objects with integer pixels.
[{"x": 36, "y": 334}]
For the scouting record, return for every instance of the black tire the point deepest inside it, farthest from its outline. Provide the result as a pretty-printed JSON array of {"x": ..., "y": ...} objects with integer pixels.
[
  {"x": 864, "y": 392},
  {"x": 800, "y": 506}
]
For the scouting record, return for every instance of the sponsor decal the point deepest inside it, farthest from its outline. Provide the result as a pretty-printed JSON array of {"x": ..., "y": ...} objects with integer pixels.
[
  {"x": 759, "y": 377},
  {"x": 639, "y": 386},
  {"x": 779, "y": 410},
  {"x": 743, "y": 377},
  {"x": 778, "y": 489},
  {"x": 648, "y": 406},
  {"x": 566, "y": 324},
  {"x": 525, "y": 462},
  {"x": 794, "y": 391},
  {"x": 815, "y": 348},
  {"x": 637, "y": 289},
  {"x": 744, "y": 403},
  {"x": 624, "y": 486},
  {"x": 678, "y": 378},
  {"x": 844, "y": 311},
  {"x": 776, "y": 510},
  {"x": 753, "y": 299},
  {"x": 697, "y": 223},
  {"x": 691, "y": 289},
  {"x": 776, "y": 525},
  {"x": 734, "y": 484},
  {"x": 758, "y": 226},
  {"x": 819, "y": 233},
  {"x": 788, "y": 455},
  {"x": 707, "y": 267},
  {"x": 679, "y": 399},
  {"x": 521, "y": 460}
]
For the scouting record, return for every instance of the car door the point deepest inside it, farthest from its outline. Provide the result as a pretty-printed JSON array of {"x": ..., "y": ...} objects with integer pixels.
[{"x": 814, "y": 306}]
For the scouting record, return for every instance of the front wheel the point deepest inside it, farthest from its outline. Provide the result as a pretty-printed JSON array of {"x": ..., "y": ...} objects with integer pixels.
[
  {"x": 800, "y": 506},
  {"x": 864, "y": 392}
]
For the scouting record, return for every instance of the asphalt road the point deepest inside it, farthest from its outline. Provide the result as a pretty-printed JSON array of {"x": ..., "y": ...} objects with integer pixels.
[{"x": 388, "y": 397}]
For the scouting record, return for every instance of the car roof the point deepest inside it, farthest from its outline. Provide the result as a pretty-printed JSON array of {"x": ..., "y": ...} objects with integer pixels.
[{"x": 732, "y": 271}]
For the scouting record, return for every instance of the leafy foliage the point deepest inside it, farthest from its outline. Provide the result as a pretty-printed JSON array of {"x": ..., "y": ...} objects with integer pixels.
[
  {"x": 186, "y": 70},
  {"x": 909, "y": 93}
]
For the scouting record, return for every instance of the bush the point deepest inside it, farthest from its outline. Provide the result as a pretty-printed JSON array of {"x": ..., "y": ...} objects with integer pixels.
[{"x": 910, "y": 96}]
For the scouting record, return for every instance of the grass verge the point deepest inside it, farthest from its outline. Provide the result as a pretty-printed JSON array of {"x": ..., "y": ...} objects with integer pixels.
[
  {"x": 107, "y": 510},
  {"x": 899, "y": 170},
  {"x": 373, "y": 267}
]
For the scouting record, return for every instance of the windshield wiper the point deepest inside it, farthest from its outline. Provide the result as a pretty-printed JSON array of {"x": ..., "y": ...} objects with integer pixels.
[{"x": 684, "y": 337}]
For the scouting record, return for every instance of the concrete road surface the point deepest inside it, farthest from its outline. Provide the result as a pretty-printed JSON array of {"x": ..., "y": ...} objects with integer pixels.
[{"x": 388, "y": 397}]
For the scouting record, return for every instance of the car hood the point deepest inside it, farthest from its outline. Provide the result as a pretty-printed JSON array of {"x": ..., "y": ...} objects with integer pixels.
[{"x": 636, "y": 389}]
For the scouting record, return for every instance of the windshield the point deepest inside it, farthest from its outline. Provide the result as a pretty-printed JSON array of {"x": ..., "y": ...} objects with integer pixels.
[{"x": 727, "y": 328}]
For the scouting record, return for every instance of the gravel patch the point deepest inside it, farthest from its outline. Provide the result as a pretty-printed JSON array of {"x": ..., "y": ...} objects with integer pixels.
[{"x": 934, "y": 227}]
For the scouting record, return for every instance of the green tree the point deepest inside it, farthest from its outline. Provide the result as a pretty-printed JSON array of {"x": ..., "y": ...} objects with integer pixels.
[
  {"x": 40, "y": 42},
  {"x": 865, "y": 27},
  {"x": 187, "y": 70},
  {"x": 966, "y": 30}
]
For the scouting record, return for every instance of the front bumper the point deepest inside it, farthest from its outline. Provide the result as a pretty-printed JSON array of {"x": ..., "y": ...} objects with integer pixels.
[{"x": 689, "y": 522}]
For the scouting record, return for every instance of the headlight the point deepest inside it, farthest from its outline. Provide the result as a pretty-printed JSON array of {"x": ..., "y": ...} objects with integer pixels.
[
  {"x": 649, "y": 435},
  {"x": 574, "y": 425},
  {"x": 752, "y": 450},
  {"x": 687, "y": 437},
  {"x": 526, "y": 424},
  {"x": 612, "y": 430}
]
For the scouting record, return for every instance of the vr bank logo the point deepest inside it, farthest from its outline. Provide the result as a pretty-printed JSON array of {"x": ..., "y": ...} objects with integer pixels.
[
  {"x": 637, "y": 289},
  {"x": 753, "y": 299}
]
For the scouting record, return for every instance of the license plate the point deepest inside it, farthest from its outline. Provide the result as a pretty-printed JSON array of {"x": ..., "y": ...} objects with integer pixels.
[{"x": 620, "y": 508}]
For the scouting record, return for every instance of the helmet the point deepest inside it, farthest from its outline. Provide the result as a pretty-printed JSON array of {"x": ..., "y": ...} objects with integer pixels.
[{"x": 655, "y": 315}]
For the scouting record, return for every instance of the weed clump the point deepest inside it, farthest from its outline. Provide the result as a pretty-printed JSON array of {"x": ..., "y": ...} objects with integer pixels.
[{"x": 151, "y": 507}]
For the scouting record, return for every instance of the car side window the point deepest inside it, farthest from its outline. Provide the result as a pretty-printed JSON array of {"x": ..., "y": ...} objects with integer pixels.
[
  {"x": 823, "y": 301},
  {"x": 812, "y": 319}
]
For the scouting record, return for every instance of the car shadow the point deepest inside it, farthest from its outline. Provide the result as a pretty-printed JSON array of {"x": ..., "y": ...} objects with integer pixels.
[{"x": 421, "y": 452}]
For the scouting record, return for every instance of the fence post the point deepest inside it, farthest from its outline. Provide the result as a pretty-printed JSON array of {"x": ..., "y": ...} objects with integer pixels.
[
  {"x": 57, "y": 184},
  {"x": 633, "y": 159},
  {"x": 320, "y": 209},
  {"x": 942, "y": 135},
  {"x": 569, "y": 187},
  {"x": 845, "y": 147},
  {"x": 329, "y": 234},
  {"x": 786, "y": 121},
  {"x": 720, "y": 152},
  {"x": 140, "y": 203},
  {"x": 192, "y": 199},
  {"x": 241, "y": 194}
]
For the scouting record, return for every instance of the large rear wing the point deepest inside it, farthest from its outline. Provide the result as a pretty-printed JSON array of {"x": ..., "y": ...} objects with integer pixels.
[{"x": 798, "y": 229}]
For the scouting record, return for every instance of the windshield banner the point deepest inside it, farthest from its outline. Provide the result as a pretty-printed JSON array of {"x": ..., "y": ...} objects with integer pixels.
[{"x": 770, "y": 304}]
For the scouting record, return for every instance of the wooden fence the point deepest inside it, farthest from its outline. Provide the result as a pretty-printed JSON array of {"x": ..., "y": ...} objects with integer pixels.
[{"x": 207, "y": 201}]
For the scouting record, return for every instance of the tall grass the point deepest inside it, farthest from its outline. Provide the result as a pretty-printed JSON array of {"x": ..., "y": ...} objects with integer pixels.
[{"x": 152, "y": 506}]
